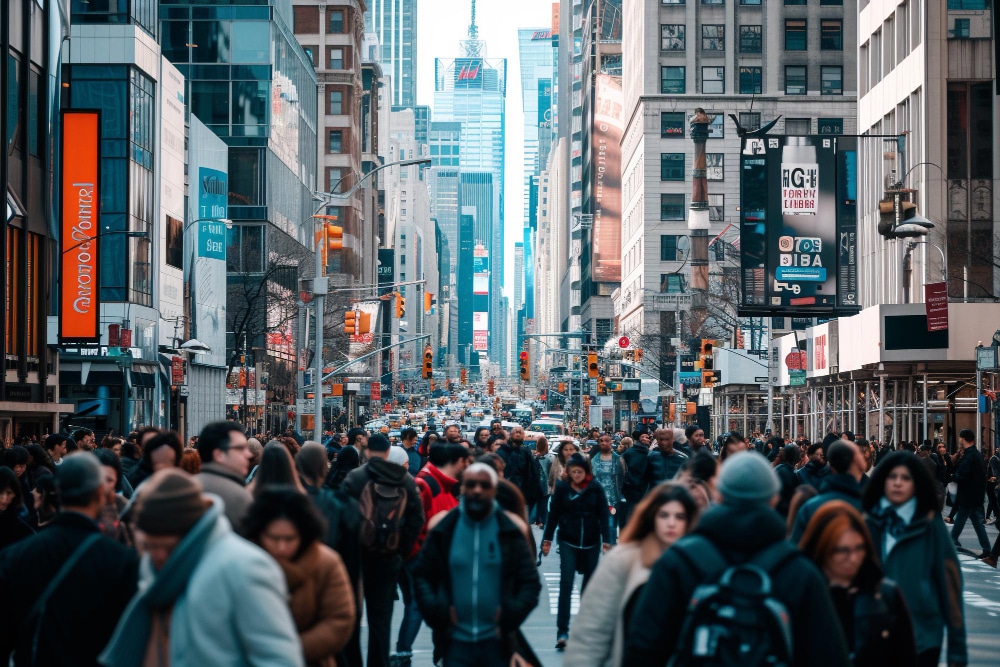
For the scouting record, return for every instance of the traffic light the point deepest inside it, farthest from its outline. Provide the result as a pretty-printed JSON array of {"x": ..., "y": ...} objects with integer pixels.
[
  {"x": 525, "y": 371},
  {"x": 708, "y": 379},
  {"x": 592, "y": 370},
  {"x": 432, "y": 386},
  {"x": 490, "y": 386},
  {"x": 562, "y": 387},
  {"x": 465, "y": 376},
  {"x": 707, "y": 360},
  {"x": 334, "y": 237},
  {"x": 400, "y": 306},
  {"x": 887, "y": 211},
  {"x": 601, "y": 388},
  {"x": 428, "y": 363},
  {"x": 357, "y": 322}
]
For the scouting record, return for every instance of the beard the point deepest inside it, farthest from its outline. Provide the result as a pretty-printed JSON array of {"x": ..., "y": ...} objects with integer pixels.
[{"x": 478, "y": 508}]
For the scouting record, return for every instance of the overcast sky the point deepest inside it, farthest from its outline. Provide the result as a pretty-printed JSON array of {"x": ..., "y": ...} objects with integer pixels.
[{"x": 441, "y": 24}]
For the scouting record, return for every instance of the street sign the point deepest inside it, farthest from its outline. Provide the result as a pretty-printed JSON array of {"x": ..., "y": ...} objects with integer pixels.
[
  {"x": 760, "y": 380},
  {"x": 376, "y": 391},
  {"x": 936, "y": 300},
  {"x": 796, "y": 360},
  {"x": 986, "y": 358},
  {"x": 623, "y": 342},
  {"x": 796, "y": 378}
]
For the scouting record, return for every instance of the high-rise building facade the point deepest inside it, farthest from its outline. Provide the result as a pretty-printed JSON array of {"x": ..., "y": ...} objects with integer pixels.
[
  {"x": 395, "y": 23},
  {"x": 756, "y": 61}
]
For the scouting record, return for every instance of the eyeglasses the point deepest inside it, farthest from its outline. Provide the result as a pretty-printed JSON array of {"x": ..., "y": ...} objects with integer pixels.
[
  {"x": 471, "y": 484},
  {"x": 843, "y": 552}
]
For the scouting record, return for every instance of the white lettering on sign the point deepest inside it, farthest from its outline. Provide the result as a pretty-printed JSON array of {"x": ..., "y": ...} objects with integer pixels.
[
  {"x": 81, "y": 231},
  {"x": 799, "y": 188}
]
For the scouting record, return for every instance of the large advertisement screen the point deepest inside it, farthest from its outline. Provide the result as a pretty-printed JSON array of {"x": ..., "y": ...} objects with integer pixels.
[
  {"x": 607, "y": 234},
  {"x": 798, "y": 227},
  {"x": 80, "y": 304},
  {"x": 480, "y": 271},
  {"x": 480, "y": 331}
]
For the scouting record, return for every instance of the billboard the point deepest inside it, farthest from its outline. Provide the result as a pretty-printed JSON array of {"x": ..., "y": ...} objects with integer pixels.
[
  {"x": 386, "y": 267},
  {"x": 480, "y": 271},
  {"x": 80, "y": 303},
  {"x": 480, "y": 331},
  {"x": 606, "y": 244},
  {"x": 798, "y": 226}
]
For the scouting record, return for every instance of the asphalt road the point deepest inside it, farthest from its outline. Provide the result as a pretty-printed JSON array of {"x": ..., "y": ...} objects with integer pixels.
[{"x": 982, "y": 609}]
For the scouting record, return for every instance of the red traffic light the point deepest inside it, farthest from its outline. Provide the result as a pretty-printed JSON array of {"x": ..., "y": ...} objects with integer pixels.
[{"x": 524, "y": 356}]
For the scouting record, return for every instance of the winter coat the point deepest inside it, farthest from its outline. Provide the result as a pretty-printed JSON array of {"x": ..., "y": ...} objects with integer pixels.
[
  {"x": 661, "y": 467},
  {"x": 228, "y": 485},
  {"x": 520, "y": 584},
  {"x": 739, "y": 533},
  {"x": 877, "y": 624},
  {"x": 582, "y": 518},
  {"x": 924, "y": 564},
  {"x": 635, "y": 458},
  {"x": 81, "y": 614},
  {"x": 598, "y": 638},
  {"x": 343, "y": 532},
  {"x": 835, "y": 487},
  {"x": 545, "y": 461},
  {"x": 789, "y": 482},
  {"x": 437, "y": 494},
  {"x": 322, "y": 603},
  {"x": 613, "y": 486},
  {"x": 415, "y": 462},
  {"x": 970, "y": 475},
  {"x": 520, "y": 470},
  {"x": 813, "y": 473},
  {"x": 390, "y": 474},
  {"x": 13, "y": 528}
]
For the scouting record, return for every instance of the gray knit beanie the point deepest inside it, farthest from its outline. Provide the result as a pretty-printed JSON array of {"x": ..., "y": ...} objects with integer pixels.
[{"x": 747, "y": 478}]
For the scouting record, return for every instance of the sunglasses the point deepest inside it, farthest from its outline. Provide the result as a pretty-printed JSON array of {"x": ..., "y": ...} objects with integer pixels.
[{"x": 474, "y": 483}]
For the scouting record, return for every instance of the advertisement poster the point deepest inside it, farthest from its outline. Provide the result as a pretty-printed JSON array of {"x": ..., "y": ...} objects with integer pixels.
[
  {"x": 608, "y": 126},
  {"x": 798, "y": 227},
  {"x": 936, "y": 300},
  {"x": 480, "y": 271}
]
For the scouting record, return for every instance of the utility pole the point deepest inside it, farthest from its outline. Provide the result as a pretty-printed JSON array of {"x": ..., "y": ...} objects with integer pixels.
[
  {"x": 699, "y": 222},
  {"x": 246, "y": 381}
]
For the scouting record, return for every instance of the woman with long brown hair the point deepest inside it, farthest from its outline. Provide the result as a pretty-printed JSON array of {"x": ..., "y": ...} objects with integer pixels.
[
  {"x": 666, "y": 514},
  {"x": 871, "y": 609}
]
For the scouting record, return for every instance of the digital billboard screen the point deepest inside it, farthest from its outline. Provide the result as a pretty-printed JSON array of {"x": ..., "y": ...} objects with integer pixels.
[{"x": 798, "y": 226}]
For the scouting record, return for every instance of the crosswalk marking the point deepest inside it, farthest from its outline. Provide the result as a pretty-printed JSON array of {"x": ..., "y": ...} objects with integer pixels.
[{"x": 552, "y": 585}]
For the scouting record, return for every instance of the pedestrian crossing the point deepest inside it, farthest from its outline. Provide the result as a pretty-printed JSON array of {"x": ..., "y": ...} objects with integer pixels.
[{"x": 552, "y": 586}]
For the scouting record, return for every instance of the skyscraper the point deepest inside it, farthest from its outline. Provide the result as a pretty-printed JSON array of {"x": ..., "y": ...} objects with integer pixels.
[
  {"x": 535, "y": 50},
  {"x": 395, "y": 23}
]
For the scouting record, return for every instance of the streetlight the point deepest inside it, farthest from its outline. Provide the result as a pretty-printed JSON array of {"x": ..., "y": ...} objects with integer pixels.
[
  {"x": 320, "y": 282},
  {"x": 226, "y": 221}
]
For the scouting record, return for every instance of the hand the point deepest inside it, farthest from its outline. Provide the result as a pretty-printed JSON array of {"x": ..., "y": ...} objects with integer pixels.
[
  {"x": 546, "y": 547},
  {"x": 453, "y": 615},
  {"x": 607, "y": 547}
]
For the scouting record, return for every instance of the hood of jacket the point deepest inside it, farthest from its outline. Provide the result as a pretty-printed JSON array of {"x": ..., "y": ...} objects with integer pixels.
[
  {"x": 816, "y": 468},
  {"x": 744, "y": 529},
  {"x": 843, "y": 484},
  {"x": 386, "y": 473}
]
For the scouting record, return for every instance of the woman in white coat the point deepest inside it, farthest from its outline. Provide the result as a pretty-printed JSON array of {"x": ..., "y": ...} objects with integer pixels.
[{"x": 666, "y": 514}]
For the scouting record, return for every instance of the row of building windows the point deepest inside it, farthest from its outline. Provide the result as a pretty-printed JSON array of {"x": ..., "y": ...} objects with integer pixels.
[
  {"x": 750, "y": 2},
  {"x": 672, "y": 166},
  {"x": 672, "y": 207},
  {"x": 673, "y": 80},
  {"x": 673, "y": 124},
  {"x": 673, "y": 36},
  {"x": 306, "y": 20}
]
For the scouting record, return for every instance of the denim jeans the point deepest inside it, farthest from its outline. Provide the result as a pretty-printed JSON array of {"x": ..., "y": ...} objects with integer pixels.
[
  {"x": 410, "y": 627},
  {"x": 976, "y": 514},
  {"x": 571, "y": 561}
]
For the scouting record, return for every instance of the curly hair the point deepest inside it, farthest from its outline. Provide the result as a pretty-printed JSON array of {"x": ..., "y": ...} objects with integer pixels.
[{"x": 285, "y": 502}]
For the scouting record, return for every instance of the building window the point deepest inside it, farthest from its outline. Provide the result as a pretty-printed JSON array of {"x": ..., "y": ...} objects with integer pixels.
[
  {"x": 713, "y": 37},
  {"x": 672, "y": 283},
  {"x": 336, "y": 141},
  {"x": 833, "y": 80},
  {"x": 720, "y": 250},
  {"x": 672, "y": 125},
  {"x": 831, "y": 35},
  {"x": 795, "y": 80},
  {"x": 672, "y": 80},
  {"x": 795, "y": 2},
  {"x": 750, "y": 120},
  {"x": 336, "y": 59},
  {"x": 336, "y": 22},
  {"x": 831, "y": 125},
  {"x": 175, "y": 242},
  {"x": 832, "y": 2},
  {"x": 672, "y": 37},
  {"x": 672, "y": 248},
  {"x": 713, "y": 80},
  {"x": 750, "y": 80},
  {"x": 671, "y": 166},
  {"x": 750, "y": 39},
  {"x": 333, "y": 180},
  {"x": 962, "y": 28},
  {"x": 671, "y": 207},
  {"x": 716, "y": 208},
  {"x": 671, "y": 2},
  {"x": 795, "y": 34},
  {"x": 336, "y": 103},
  {"x": 713, "y": 2},
  {"x": 717, "y": 128},
  {"x": 749, "y": 2},
  {"x": 715, "y": 166},
  {"x": 310, "y": 52},
  {"x": 798, "y": 126}
]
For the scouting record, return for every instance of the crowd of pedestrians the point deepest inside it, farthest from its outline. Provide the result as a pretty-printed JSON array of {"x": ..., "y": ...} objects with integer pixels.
[{"x": 233, "y": 551}]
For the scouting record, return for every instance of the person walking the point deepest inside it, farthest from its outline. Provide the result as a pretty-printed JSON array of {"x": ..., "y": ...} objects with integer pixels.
[
  {"x": 225, "y": 463},
  {"x": 286, "y": 524},
  {"x": 634, "y": 487},
  {"x": 64, "y": 588},
  {"x": 408, "y": 438},
  {"x": 392, "y": 517},
  {"x": 609, "y": 472},
  {"x": 815, "y": 469},
  {"x": 785, "y": 462},
  {"x": 992, "y": 475},
  {"x": 915, "y": 551},
  {"x": 970, "y": 475},
  {"x": 666, "y": 514},
  {"x": 663, "y": 463},
  {"x": 544, "y": 458},
  {"x": 847, "y": 465},
  {"x": 476, "y": 579},
  {"x": 743, "y": 529},
  {"x": 871, "y": 609},
  {"x": 520, "y": 469},
  {"x": 579, "y": 511}
]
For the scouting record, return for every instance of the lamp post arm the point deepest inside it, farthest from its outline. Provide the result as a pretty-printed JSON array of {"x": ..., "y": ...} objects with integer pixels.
[
  {"x": 128, "y": 233},
  {"x": 346, "y": 195}
]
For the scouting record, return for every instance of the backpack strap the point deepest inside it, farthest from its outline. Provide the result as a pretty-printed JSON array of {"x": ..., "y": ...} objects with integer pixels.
[
  {"x": 699, "y": 553},
  {"x": 774, "y": 556},
  {"x": 431, "y": 483}
]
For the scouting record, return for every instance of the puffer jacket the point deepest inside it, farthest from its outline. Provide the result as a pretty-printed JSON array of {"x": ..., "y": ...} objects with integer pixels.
[
  {"x": 582, "y": 518},
  {"x": 662, "y": 467}
]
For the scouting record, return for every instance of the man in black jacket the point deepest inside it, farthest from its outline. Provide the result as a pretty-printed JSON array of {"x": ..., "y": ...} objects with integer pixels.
[
  {"x": 380, "y": 571},
  {"x": 519, "y": 462},
  {"x": 847, "y": 465},
  {"x": 813, "y": 472},
  {"x": 740, "y": 528},
  {"x": 81, "y": 613},
  {"x": 634, "y": 487},
  {"x": 970, "y": 475},
  {"x": 664, "y": 462},
  {"x": 476, "y": 579}
]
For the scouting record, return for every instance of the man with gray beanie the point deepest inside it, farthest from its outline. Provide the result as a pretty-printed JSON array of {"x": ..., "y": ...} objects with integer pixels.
[
  {"x": 392, "y": 516},
  {"x": 743, "y": 529},
  {"x": 64, "y": 588},
  {"x": 208, "y": 596}
]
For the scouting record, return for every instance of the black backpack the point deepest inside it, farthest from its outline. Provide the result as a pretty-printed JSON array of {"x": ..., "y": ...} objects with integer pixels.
[
  {"x": 733, "y": 618},
  {"x": 382, "y": 508}
]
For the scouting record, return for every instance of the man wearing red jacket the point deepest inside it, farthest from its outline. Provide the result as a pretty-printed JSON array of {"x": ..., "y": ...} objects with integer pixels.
[{"x": 437, "y": 483}]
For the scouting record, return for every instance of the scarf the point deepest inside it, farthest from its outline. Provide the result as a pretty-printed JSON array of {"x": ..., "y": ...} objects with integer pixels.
[
  {"x": 893, "y": 523},
  {"x": 127, "y": 647}
]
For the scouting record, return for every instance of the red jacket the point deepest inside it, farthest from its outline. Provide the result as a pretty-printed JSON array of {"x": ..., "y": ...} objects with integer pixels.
[{"x": 436, "y": 496}]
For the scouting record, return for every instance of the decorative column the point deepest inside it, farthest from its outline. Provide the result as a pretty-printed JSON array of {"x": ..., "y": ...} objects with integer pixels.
[{"x": 698, "y": 223}]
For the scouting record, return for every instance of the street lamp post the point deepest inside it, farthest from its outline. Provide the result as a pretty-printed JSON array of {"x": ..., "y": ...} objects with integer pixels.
[{"x": 320, "y": 284}]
